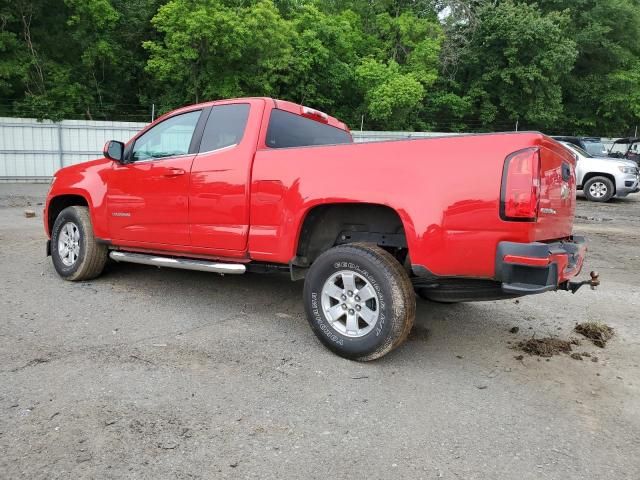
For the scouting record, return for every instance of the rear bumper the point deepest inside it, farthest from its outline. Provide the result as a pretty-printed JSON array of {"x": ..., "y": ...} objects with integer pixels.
[{"x": 530, "y": 268}]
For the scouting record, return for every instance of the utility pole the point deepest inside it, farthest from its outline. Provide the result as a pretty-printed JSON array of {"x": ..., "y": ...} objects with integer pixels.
[
  {"x": 361, "y": 122},
  {"x": 517, "y": 125},
  {"x": 153, "y": 112}
]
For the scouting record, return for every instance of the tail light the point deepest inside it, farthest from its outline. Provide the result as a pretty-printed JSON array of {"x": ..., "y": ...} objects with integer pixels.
[{"x": 520, "y": 196}]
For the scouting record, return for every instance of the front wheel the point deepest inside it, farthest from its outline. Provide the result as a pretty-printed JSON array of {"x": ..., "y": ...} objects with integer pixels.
[
  {"x": 598, "y": 189},
  {"x": 359, "y": 301},
  {"x": 75, "y": 253}
]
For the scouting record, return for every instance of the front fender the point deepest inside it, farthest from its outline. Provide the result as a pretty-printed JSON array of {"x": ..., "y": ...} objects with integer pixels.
[{"x": 86, "y": 180}]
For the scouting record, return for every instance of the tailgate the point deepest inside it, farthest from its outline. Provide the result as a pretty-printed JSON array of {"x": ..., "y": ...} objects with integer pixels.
[{"x": 557, "y": 192}]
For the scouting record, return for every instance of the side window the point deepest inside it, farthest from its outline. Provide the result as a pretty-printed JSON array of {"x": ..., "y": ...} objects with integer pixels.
[
  {"x": 225, "y": 126},
  {"x": 167, "y": 139},
  {"x": 291, "y": 130}
]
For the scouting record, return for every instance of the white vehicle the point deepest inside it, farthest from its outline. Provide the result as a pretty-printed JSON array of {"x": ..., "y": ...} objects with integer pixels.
[{"x": 602, "y": 178}]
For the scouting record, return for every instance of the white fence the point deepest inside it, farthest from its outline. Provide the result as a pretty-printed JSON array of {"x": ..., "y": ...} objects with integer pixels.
[{"x": 32, "y": 151}]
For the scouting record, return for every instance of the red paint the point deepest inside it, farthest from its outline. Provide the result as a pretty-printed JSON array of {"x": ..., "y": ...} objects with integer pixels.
[
  {"x": 149, "y": 201},
  {"x": 248, "y": 202}
]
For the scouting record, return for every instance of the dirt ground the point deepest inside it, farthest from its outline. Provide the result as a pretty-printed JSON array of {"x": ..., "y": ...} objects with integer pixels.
[{"x": 149, "y": 373}]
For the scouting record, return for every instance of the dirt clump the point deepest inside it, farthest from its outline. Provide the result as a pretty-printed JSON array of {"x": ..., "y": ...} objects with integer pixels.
[
  {"x": 546, "y": 347},
  {"x": 599, "y": 333}
]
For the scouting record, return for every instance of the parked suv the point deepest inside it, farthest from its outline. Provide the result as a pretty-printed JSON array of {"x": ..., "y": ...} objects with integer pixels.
[
  {"x": 592, "y": 145},
  {"x": 603, "y": 178}
]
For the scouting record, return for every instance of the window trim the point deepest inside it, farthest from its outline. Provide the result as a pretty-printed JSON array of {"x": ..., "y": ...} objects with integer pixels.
[
  {"x": 228, "y": 147},
  {"x": 197, "y": 130}
]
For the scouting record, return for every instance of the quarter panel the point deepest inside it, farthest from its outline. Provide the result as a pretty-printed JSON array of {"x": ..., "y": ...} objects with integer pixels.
[{"x": 445, "y": 190}]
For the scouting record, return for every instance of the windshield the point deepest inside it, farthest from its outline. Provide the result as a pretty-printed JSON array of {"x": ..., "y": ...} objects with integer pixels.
[
  {"x": 595, "y": 148},
  {"x": 581, "y": 151}
]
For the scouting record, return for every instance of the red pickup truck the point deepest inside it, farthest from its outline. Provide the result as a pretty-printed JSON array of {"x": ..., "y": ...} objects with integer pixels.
[{"x": 257, "y": 184}]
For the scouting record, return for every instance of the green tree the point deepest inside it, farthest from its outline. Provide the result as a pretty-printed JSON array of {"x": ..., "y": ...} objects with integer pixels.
[
  {"x": 12, "y": 69},
  {"x": 463, "y": 65},
  {"x": 601, "y": 94},
  {"x": 390, "y": 95},
  {"x": 322, "y": 65},
  {"x": 76, "y": 58},
  {"x": 208, "y": 50},
  {"x": 514, "y": 66}
]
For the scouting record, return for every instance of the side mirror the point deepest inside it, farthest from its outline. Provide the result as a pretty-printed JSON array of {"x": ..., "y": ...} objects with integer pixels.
[{"x": 114, "y": 150}]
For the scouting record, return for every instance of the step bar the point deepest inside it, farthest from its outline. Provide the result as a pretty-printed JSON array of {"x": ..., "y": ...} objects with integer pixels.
[{"x": 183, "y": 263}]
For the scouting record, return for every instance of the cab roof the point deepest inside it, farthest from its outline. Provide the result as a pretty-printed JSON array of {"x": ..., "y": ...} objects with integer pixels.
[{"x": 291, "y": 107}]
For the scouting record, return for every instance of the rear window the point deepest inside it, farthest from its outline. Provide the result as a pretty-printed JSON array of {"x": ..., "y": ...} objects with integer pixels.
[{"x": 291, "y": 130}]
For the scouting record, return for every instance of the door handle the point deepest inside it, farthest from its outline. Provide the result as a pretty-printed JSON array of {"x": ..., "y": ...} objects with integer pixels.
[{"x": 174, "y": 172}]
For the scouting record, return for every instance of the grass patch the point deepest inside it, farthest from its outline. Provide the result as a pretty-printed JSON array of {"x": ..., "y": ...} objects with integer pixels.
[{"x": 599, "y": 333}]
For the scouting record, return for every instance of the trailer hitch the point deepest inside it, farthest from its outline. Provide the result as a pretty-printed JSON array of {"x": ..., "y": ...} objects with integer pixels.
[{"x": 573, "y": 287}]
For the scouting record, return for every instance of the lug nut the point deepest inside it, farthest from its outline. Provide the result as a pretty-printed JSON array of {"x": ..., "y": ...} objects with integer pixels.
[
  {"x": 358, "y": 307},
  {"x": 350, "y": 293},
  {"x": 351, "y": 312},
  {"x": 343, "y": 297},
  {"x": 357, "y": 298},
  {"x": 344, "y": 306}
]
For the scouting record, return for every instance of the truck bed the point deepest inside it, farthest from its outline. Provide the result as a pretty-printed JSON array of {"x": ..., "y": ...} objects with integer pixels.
[{"x": 445, "y": 189}]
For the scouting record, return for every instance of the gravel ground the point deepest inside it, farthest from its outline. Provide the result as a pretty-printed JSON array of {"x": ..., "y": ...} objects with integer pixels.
[{"x": 149, "y": 373}]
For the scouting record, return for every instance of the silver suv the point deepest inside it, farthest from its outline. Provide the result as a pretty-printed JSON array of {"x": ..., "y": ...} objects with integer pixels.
[{"x": 604, "y": 178}]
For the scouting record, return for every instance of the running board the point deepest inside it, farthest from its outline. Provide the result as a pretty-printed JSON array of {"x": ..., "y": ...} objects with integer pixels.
[{"x": 183, "y": 263}]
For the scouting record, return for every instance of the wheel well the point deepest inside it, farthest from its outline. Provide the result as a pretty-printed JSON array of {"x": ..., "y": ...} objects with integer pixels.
[
  {"x": 590, "y": 175},
  {"x": 328, "y": 225},
  {"x": 57, "y": 204}
]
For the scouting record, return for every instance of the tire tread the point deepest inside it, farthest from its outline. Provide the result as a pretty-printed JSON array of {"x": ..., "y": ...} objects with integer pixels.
[
  {"x": 602, "y": 179},
  {"x": 404, "y": 303},
  {"x": 96, "y": 254}
]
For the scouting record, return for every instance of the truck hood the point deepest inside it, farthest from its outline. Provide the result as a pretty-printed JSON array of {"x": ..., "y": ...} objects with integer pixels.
[
  {"x": 615, "y": 162},
  {"x": 625, "y": 163},
  {"x": 79, "y": 168}
]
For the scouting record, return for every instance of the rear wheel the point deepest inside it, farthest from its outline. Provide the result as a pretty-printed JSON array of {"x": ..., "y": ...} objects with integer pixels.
[
  {"x": 359, "y": 301},
  {"x": 75, "y": 253},
  {"x": 598, "y": 189}
]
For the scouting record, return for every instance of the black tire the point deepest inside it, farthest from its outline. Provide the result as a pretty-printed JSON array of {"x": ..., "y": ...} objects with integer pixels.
[
  {"x": 603, "y": 183},
  {"x": 395, "y": 302},
  {"x": 91, "y": 256}
]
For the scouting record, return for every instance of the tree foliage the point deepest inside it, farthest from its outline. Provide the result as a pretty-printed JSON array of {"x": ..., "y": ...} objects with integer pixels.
[
  {"x": 515, "y": 63},
  {"x": 461, "y": 65}
]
